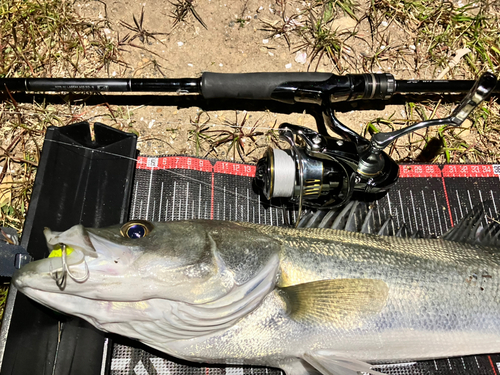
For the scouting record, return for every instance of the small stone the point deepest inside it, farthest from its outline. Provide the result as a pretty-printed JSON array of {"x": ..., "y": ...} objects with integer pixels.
[
  {"x": 288, "y": 66},
  {"x": 301, "y": 57}
]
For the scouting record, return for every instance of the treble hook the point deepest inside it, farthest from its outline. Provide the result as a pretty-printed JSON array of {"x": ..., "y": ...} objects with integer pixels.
[{"x": 61, "y": 279}]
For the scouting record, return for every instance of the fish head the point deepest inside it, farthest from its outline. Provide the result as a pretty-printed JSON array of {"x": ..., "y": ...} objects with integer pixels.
[{"x": 137, "y": 261}]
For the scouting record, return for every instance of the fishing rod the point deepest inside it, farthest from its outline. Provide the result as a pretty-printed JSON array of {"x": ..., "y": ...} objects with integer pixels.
[
  {"x": 318, "y": 170},
  {"x": 291, "y": 88}
]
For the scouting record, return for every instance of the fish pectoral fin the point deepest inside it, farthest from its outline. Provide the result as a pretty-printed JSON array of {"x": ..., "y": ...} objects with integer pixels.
[
  {"x": 343, "y": 302},
  {"x": 330, "y": 363}
]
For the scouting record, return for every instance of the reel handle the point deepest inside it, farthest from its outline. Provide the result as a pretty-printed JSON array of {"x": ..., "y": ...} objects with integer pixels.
[{"x": 481, "y": 90}]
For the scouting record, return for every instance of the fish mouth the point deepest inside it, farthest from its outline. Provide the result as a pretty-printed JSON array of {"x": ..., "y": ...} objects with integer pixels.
[{"x": 78, "y": 262}]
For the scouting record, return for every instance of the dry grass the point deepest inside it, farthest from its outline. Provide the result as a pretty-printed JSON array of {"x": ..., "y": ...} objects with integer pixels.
[{"x": 49, "y": 39}]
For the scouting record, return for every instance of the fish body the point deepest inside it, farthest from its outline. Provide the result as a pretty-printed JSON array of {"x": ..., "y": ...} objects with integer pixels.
[{"x": 297, "y": 299}]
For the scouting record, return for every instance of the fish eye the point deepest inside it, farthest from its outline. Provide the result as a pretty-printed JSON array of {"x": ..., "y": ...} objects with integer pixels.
[{"x": 136, "y": 229}]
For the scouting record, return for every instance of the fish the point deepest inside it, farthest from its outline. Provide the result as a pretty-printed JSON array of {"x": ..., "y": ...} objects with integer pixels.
[{"x": 305, "y": 300}]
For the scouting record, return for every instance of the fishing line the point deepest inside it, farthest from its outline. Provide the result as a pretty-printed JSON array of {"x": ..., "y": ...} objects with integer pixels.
[{"x": 167, "y": 170}]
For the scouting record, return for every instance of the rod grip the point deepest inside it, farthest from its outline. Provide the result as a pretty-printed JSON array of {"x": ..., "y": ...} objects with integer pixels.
[{"x": 251, "y": 85}]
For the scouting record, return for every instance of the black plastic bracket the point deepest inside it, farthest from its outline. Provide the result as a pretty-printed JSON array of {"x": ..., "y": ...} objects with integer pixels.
[
  {"x": 84, "y": 177},
  {"x": 12, "y": 256}
]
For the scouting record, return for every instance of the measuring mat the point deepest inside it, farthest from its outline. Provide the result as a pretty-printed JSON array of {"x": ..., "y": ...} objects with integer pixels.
[{"x": 429, "y": 199}]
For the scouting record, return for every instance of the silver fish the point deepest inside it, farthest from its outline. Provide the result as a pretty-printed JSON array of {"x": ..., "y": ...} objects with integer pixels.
[{"x": 299, "y": 299}]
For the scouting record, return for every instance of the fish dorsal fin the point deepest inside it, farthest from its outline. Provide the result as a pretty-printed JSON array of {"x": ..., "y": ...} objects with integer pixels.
[
  {"x": 328, "y": 362},
  {"x": 477, "y": 227},
  {"x": 186, "y": 321},
  {"x": 342, "y": 302}
]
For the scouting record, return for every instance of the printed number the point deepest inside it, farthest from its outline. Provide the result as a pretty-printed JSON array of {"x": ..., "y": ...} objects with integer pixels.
[
  {"x": 475, "y": 168},
  {"x": 418, "y": 169},
  {"x": 247, "y": 169},
  {"x": 236, "y": 167},
  {"x": 164, "y": 161},
  {"x": 496, "y": 169},
  {"x": 464, "y": 168},
  {"x": 201, "y": 163},
  {"x": 453, "y": 169},
  {"x": 225, "y": 165},
  {"x": 152, "y": 162},
  {"x": 189, "y": 161},
  {"x": 486, "y": 169},
  {"x": 429, "y": 169}
]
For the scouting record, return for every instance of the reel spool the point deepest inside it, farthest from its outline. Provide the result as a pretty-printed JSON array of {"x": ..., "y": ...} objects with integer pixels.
[
  {"x": 324, "y": 172},
  {"x": 309, "y": 176}
]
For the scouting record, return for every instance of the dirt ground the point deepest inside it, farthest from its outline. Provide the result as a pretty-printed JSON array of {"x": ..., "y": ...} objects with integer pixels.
[
  {"x": 237, "y": 39},
  {"x": 412, "y": 39}
]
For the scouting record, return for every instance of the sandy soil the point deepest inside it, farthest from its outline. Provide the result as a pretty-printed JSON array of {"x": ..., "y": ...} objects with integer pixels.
[{"x": 237, "y": 38}]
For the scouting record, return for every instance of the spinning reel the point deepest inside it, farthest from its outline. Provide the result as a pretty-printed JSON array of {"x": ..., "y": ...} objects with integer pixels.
[{"x": 324, "y": 172}]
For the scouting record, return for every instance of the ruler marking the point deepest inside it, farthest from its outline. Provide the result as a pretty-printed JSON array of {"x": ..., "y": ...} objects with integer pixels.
[
  {"x": 426, "y": 214},
  {"x": 447, "y": 200},
  {"x": 140, "y": 210},
  {"x": 212, "y": 195},
  {"x": 161, "y": 199},
  {"x": 492, "y": 366},
  {"x": 166, "y": 210},
  {"x": 494, "y": 204},
  {"x": 154, "y": 210},
  {"x": 470, "y": 200},
  {"x": 230, "y": 210},
  {"x": 236, "y": 203},
  {"x": 187, "y": 201},
  {"x": 149, "y": 192},
  {"x": 199, "y": 202},
  {"x": 389, "y": 203},
  {"x": 437, "y": 210},
  {"x": 459, "y": 205},
  {"x": 259, "y": 208},
  {"x": 173, "y": 200},
  {"x": 456, "y": 214},
  {"x": 409, "y": 219},
  {"x": 422, "y": 222},
  {"x": 477, "y": 362},
  {"x": 135, "y": 199},
  {"x": 463, "y": 363},
  {"x": 449, "y": 364},
  {"x": 180, "y": 209},
  {"x": 192, "y": 211},
  {"x": 248, "y": 205},
  {"x": 224, "y": 204},
  {"x": 435, "y": 365},
  {"x": 402, "y": 207},
  {"x": 414, "y": 211}
]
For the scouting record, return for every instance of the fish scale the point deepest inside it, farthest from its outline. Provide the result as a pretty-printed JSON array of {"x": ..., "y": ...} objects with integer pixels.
[
  {"x": 429, "y": 195},
  {"x": 415, "y": 226}
]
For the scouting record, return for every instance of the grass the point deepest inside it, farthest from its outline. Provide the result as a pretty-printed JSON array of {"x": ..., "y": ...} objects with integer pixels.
[
  {"x": 441, "y": 28},
  {"x": 45, "y": 39},
  {"x": 409, "y": 38}
]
